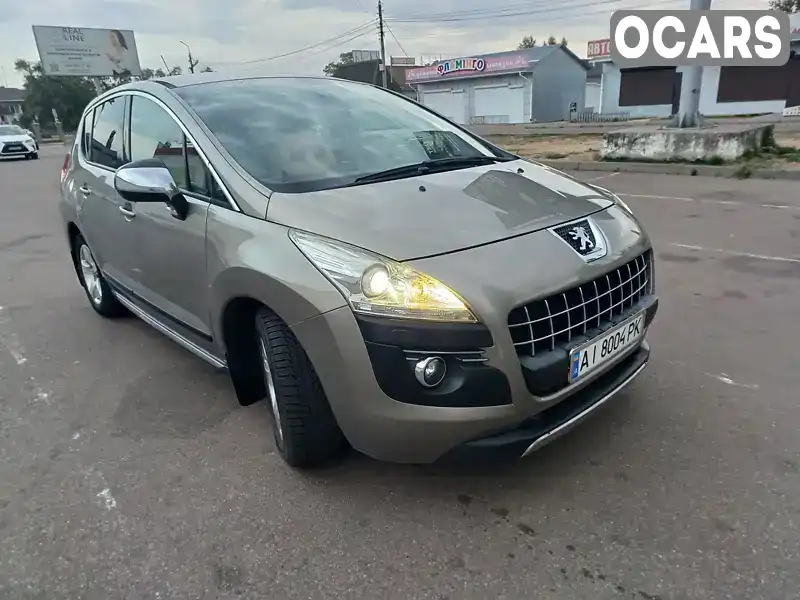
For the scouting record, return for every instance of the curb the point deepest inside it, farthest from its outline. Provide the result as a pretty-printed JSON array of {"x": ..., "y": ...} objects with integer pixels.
[{"x": 670, "y": 169}]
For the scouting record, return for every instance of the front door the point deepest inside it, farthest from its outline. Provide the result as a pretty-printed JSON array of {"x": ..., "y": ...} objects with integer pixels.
[
  {"x": 172, "y": 252},
  {"x": 102, "y": 213}
]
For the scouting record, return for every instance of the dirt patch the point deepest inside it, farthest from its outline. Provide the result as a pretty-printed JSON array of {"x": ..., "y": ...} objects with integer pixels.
[{"x": 554, "y": 147}]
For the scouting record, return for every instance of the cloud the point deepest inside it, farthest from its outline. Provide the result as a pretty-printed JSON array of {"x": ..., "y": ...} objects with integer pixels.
[{"x": 231, "y": 34}]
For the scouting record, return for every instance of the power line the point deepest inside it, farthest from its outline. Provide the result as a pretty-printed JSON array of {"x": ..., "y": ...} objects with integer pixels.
[
  {"x": 322, "y": 45},
  {"x": 433, "y": 20},
  {"x": 394, "y": 37},
  {"x": 503, "y": 13}
]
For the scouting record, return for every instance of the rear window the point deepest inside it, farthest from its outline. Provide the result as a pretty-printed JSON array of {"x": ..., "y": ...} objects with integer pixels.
[{"x": 302, "y": 135}]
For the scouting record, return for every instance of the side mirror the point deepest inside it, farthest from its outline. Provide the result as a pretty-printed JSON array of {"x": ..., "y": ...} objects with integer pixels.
[{"x": 149, "y": 180}]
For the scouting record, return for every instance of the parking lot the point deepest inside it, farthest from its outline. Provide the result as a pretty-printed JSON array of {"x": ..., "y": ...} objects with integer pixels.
[{"x": 128, "y": 470}]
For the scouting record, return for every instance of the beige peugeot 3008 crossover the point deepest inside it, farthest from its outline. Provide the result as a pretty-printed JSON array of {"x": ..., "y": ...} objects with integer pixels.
[{"x": 382, "y": 278}]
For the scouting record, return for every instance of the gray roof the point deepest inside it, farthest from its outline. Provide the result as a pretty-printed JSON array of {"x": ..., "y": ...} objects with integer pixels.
[
  {"x": 533, "y": 55},
  {"x": 11, "y": 94}
]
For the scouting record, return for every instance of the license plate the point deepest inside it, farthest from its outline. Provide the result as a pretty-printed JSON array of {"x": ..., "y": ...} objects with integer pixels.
[{"x": 592, "y": 355}]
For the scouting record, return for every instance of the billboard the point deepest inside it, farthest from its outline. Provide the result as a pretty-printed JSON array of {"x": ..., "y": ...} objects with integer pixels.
[
  {"x": 403, "y": 61},
  {"x": 86, "y": 52},
  {"x": 365, "y": 55}
]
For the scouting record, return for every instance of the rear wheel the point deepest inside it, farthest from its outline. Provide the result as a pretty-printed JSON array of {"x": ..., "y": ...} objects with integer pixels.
[
  {"x": 100, "y": 296},
  {"x": 306, "y": 432}
]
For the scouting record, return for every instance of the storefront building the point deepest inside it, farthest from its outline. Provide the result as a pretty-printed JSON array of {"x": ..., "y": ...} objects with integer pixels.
[
  {"x": 535, "y": 84},
  {"x": 655, "y": 91}
]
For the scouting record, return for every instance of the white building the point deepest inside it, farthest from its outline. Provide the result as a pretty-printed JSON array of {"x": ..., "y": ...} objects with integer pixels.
[
  {"x": 655, "y": 91},
  {"x": 534, "y": 84}
]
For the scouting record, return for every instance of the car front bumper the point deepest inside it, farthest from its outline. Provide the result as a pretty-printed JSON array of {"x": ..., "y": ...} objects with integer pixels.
[
  {"x": 481, "y": 412},
  {"x": 547, "y": 426}
]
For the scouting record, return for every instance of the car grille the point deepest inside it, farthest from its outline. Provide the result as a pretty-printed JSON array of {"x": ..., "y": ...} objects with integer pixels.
[
  {"x": 12, "y": 148},
  {"x": 542, "y": 325}
]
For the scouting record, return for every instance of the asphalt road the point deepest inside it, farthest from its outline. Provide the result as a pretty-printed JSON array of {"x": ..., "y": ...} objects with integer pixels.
[{"x": 129, "y": 471}]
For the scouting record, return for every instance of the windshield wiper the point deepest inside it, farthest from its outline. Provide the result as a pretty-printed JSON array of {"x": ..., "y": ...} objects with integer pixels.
[{"x": 429, "y": 166}]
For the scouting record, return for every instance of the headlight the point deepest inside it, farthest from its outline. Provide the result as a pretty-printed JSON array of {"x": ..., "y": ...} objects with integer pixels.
[
  {"x": 28, "y": 141},
  {"x": 376, "y": 285}
]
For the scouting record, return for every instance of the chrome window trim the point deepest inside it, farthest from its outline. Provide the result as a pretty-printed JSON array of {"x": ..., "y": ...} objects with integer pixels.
[{"x": 175, "y": 118}]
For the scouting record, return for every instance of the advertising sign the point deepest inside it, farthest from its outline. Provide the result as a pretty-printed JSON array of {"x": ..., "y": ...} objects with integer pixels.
[
  {"x": 598, "y": 49},
  {"x": 86, "y": 52},
  {"x": 464, "y": 66}
]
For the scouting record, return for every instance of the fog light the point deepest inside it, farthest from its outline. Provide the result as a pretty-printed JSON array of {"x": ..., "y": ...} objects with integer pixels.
[{"x": 430, "y": 371}]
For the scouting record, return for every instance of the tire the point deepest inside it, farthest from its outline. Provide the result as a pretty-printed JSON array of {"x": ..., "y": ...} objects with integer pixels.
[
  {"x": 305, "y": 429},
  {"x": 97, "y": 290},
  {"x": 35, "y": 156}
]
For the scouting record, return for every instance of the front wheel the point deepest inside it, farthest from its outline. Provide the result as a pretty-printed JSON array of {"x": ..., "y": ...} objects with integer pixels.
[
  {"x": 306, "y": 432},
  {"x": 94, "y": 284}
]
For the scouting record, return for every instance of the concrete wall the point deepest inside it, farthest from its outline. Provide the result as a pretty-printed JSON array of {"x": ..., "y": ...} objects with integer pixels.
[
  {"x": 468, "y": 86},
  {"x": 558, "y": 80}
]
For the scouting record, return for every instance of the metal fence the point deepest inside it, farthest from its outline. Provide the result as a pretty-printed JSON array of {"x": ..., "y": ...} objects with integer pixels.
[
  {"x": 589, "y": 116},
  {"x": 489, "y": 120}
]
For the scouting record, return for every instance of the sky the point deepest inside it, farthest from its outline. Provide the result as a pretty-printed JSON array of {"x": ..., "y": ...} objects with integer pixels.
[{"x": 301, "y": 36}]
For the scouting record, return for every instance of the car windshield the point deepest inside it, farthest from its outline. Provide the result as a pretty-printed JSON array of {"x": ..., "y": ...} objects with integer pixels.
[
  {"x": 305, "y": 134},
  {"x": 10, "y": 130}
]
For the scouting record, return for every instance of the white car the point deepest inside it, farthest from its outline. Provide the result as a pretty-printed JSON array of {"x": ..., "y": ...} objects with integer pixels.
[{"x": 16, "y": 143}]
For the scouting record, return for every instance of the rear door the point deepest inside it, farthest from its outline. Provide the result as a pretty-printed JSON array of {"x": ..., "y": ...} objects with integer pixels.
[
  {"x": 102, "y": 213},
  {"x": 172, "y": 252}
]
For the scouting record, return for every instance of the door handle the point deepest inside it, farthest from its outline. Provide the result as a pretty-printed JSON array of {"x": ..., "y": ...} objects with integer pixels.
[
  {"x": 129, "y": 214},
  {"x": 85, "y": 190}
]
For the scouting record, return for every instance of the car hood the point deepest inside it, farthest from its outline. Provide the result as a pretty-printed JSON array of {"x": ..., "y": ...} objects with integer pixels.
[
  {"x": 13, "y": 138},
  {"x": 438, "y": 213}
]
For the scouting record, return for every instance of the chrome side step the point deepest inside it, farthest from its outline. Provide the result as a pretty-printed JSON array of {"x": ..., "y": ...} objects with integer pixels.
[{"x": 173, "y": 335}]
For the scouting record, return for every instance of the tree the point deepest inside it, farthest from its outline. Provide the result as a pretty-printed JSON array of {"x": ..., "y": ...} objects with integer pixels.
[
  {"x": 530, "y": 42},
  {"x": 346, "y": 58},
  {"x": 788, "y": 6},
  {"x": 67, "y": 95}
]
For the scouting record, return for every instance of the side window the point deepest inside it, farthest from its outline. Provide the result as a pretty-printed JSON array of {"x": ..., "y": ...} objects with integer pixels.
[
  {"x": 86, "y": 141},
  {"x": 199, "y": 177},
  {"x": 106, "y": 146},
  {"x": 155, "y": 134}
]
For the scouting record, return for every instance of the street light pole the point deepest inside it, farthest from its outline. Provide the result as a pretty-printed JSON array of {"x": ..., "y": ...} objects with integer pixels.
[
  {"x": 383, "y": 45},
  {"x": 189, "y": 50},
  {"x": 689, "y": 108}
]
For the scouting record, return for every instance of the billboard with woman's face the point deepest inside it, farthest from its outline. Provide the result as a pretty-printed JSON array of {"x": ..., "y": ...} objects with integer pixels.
[{"x": 86, "y": 52}]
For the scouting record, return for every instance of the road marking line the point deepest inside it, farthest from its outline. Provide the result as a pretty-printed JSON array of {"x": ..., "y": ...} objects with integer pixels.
[
  {"x": 603, "y": 177},
  {"x": 734, "y": 253},
  {"x": 9, "y": 342},
  {"x": 723, "y": 377},
  {"x": 707, "y": 201}
]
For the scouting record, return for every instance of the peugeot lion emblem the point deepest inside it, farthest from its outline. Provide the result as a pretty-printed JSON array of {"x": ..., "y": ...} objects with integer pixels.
[{"x": 584, "y": 237}]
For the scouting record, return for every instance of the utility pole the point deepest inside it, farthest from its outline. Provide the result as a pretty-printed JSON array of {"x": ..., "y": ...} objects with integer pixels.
[
  {"x": 689, "y": 108},
  {"x": 192, "y": 62},
  {"x": 383, "y": 46}
]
